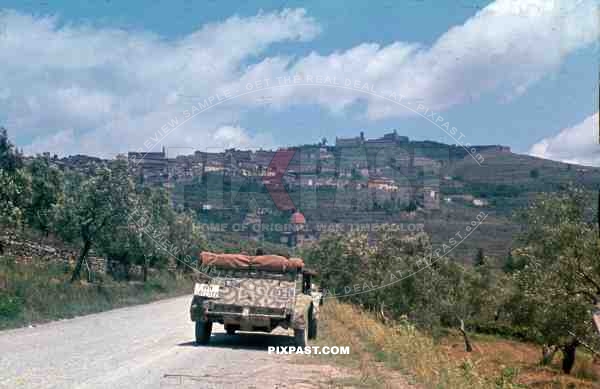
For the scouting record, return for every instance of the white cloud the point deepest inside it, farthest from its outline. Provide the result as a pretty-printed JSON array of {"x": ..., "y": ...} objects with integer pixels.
[
  {"x": 215, "y": 139},
  {"x": 111, "y": 89},
  {"x": 53, "y": 144},
  {"x": 506, "y": 47},
  {"x": 234, "y": 136},
  {"x": 578, "y": 144}
]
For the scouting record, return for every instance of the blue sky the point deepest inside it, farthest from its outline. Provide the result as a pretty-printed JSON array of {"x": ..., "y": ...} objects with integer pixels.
[{"x": 100, "y": 77}]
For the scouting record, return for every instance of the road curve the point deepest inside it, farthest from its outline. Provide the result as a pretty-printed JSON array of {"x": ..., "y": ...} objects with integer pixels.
[{"x": 145, "y": 346}]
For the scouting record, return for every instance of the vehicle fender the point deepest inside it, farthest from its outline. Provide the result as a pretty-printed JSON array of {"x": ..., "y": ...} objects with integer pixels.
[{"x": 301, "y": 309}]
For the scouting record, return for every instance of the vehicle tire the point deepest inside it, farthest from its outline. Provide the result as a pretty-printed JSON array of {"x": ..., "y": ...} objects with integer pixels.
[
  {"x": 300, "y": 337},
  {"x": 230, "y": 330},
  {"x": 312, "y": 328},
  {"x": 203, "y": 331}
]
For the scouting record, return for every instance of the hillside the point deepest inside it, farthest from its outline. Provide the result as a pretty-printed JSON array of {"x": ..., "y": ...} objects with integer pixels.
[{"x": 358, "y": 183}]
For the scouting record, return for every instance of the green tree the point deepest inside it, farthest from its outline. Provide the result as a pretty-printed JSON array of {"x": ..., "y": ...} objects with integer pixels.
[
  {"x": 399, "y": 276},
  {"x": 46, "y": 189},
  {"x": 338, "y": 258},
  {"x": 123, "y": 246},
  {"x": 560, "y": 279},
  {"x": 15, "y": 194},
  {"x": 450, "y": 294},
  {"x": 511, "y": 264},
  {"x": 187, "y": 239},
  {"x": 151, "y": 219},
  {"x": 10, "y": 159},
  {"x": 15, "y": 184},
  {"x": 479, "y": 258},
  {"x": 94, "y": 208}
]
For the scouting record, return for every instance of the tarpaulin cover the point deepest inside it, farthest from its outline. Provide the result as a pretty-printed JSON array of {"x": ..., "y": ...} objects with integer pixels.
[
  {"x": 234, "y": 261},
  {"x": 260, "y": 262}
]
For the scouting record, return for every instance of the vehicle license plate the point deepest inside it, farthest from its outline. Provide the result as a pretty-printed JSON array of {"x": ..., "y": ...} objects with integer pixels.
[{"x": 207, "y": 290}]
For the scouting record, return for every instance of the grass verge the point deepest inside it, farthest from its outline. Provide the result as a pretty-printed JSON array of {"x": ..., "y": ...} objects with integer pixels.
[
  {"x": 379, "y": 351},
  {"x": 35, "y": 294}
]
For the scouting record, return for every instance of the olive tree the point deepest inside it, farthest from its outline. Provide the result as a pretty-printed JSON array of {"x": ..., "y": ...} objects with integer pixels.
[
  {"x": 151, "y": 219},
  {"x": 94, "y": 208},
  {"x": 341, "y": 261},
  {"x": 560, "y": 279},
  {"x": 15, "y": 184},
  {"x": 46, "y": 189},
  {"x": 186, "y": 238},
  {"x": 10, "y": 159}
]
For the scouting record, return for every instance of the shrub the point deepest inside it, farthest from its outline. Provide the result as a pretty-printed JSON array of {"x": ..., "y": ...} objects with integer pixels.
[{"x": 10, "y": 306}]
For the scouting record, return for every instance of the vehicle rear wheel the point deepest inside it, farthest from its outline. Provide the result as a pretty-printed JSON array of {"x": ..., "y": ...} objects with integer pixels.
[
  {"x": 300, "y": 337},
  {"x": 203, "y": 331},
  {"x": 230, "y": 330}
]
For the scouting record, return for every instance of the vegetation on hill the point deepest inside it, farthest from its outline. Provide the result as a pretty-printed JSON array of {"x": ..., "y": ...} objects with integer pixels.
[
  {"x": 36, "y": 294},
  {"x": 544, "y": 293},
  {"x": 102, "y": 211},
  {"x": 380, "y": 349}
]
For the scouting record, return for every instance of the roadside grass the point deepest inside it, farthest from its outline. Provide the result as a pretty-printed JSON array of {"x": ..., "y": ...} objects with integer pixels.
[
  {"x": 378, "y": 350},
  {"x": 32, "y": 294},
  {"x": 509, "y": 356}
]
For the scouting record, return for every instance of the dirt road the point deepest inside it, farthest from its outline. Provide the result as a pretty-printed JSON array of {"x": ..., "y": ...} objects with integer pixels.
[{"x": 147, "y": 346}]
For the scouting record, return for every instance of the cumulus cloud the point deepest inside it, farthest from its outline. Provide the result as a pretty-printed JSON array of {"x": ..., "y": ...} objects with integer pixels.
[
  {"x": 504, "y": 48},
  {"x": 577, "y": 144},
  {"x": 108, "y": 90}
]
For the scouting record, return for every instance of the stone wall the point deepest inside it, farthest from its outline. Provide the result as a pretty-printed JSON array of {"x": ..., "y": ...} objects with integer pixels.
[
  {"x": 29, "y": 252},
  {"x": 25, "y": 251}
]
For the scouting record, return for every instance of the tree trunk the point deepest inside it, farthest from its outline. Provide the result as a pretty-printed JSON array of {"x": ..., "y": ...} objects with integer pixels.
[
  {"x": 90, "y": 277},
  {"x": 384, "y": 318},
  {"x": 468, "y": 347},
  {"x": 569, "y": 356},
  {"x": 82, "y": 254},
  {"x": 145, "y": 269},
  {"x": 127, "y": 267},
  {"x": 548, "y": 354}
]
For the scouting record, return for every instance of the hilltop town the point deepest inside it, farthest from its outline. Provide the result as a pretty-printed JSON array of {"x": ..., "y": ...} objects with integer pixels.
[
  {"x": 389, "y": 179},
  {"x": 368, "y": 156},
  {"x": 380, "y": 163},
  {"x": 355, "y": 183}
]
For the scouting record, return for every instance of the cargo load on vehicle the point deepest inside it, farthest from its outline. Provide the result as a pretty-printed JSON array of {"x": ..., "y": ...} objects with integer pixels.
[{"x": 274, "y": 263}]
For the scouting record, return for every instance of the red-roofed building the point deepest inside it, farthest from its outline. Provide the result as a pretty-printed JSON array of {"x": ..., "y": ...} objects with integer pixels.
[{"x": 297, "y": 218}]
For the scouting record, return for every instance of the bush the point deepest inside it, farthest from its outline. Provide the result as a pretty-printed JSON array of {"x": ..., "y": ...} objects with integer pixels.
[
  {"x": 505, "y": 331},
  {"x": 10, "y": 306}
]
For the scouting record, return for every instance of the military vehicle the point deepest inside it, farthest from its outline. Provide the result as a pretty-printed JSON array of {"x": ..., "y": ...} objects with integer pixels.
[{"x": 255, "y": 293}]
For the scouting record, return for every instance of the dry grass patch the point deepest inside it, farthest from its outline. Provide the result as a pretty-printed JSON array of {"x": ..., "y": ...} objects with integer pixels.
[
  {"x": 495, "y": 363},
  {"x": 495, "y": 355}
]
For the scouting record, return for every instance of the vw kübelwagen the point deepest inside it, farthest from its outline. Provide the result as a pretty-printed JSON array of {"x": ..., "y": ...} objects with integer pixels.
[{"x": 255, "y": 293}]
